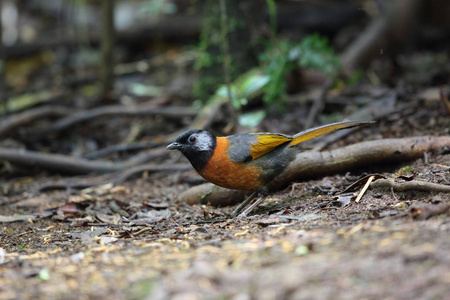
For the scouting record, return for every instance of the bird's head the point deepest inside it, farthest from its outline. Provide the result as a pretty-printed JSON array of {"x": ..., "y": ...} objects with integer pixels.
[{"x": 197, "y": 145}]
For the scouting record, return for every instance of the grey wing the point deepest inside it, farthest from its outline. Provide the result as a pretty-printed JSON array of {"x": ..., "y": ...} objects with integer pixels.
[{"x": 240, "y": 147}]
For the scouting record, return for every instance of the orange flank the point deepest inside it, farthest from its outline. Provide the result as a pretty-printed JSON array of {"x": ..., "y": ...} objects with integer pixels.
[{"x": 221, "y": 171}]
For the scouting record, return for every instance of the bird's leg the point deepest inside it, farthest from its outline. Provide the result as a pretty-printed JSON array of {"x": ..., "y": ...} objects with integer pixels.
[
  {"x": 251, "y": 207},
  {"x": 241, "y": 206},
  {"x": 262, "y": 193}
]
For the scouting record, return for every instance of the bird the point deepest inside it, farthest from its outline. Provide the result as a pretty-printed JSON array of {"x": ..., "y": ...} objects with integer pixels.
[{"x": 247, "y": 161}]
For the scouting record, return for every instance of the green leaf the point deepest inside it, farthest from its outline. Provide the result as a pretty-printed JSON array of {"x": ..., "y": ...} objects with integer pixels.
[
  {"x": 252, "y": 119},
  {"x": 301, "y": 250},
  {"x": 140, "y": 89},
  {"x": 44, "y": 274},
  {"x": 253, "y": 85},
  {"x": 236, "y": 101},
  {"x": 315, "y": 52}
]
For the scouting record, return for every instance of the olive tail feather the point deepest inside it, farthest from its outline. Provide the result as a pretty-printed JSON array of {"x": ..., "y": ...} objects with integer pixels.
[{"x": 325, "y": 129}]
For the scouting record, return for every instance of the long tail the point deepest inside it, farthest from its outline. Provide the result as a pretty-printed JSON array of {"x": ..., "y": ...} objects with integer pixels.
[{"x": 325, "y": 129}]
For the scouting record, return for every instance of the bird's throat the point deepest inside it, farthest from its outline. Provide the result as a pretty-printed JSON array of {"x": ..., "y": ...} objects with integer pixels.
[{"x": 199, "y": 159}]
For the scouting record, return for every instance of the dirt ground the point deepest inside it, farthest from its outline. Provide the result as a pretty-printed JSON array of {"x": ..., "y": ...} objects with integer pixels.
[{"x": 135, "y": 241}]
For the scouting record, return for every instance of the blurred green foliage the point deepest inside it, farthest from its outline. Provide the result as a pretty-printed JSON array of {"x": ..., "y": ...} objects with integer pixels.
[
  {"x": 282, "y": 57},
  {"x": 209, "y": 62},
  {"x": 278, "y": 58}
]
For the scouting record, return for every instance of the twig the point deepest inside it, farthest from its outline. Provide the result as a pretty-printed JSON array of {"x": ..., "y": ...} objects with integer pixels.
[
  {"x": 422, "y": 211},
  {"x": 393, "y": 194},
  {"x": 117, "y": 209}
]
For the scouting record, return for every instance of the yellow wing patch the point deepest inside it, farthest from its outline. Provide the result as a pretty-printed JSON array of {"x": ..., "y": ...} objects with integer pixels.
[{"x": 266, "y": 143}]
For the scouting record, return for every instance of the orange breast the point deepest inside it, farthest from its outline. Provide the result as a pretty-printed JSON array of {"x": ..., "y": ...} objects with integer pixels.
[{"x": 221, "y": 171}]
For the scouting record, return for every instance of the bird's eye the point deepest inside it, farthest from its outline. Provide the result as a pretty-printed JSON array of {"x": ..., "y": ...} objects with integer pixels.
[{"x": 192, "y": 139}]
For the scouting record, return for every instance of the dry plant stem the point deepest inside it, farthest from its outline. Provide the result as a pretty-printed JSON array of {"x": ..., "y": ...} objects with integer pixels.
[
  {"x": 364, "y": 189},
  {"x": 314, "y": 164},
  {"x": 12, "y": 122},
  {"x": 83, "y": 116},
  {"x": 413, "y": 185}
]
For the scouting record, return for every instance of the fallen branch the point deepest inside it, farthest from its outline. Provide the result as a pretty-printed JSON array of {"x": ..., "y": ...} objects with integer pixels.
[
  {"x": 12, "y": 122},
  {"x": 124, "y": 147},
  {"x": 114, "y": 178},
  {"x": 209, "y": 193},
  {"x": 144, "y": 110},
  {"x": 74, "y": 165},
  {"x": 314, "y": 164}
]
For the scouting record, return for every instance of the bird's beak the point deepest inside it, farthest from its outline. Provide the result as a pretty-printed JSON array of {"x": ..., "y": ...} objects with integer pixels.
[{"x": 174, "y": 146}]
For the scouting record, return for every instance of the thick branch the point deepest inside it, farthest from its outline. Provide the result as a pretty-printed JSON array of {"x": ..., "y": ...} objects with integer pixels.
[{"x": 365, "y": 154}]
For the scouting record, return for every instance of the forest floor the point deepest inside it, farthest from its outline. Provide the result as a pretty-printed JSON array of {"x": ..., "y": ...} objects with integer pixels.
[{"x": 134, "y": 240}]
